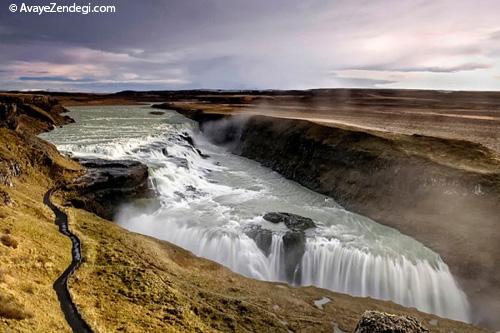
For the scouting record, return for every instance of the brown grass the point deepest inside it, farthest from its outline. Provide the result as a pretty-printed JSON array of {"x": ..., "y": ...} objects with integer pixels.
[
  {"x": 11, "y": 309},
  {"x": 9, "y": 241},
  {"x": 28, "y": 272},
  {"x": 3, "y": 275}
]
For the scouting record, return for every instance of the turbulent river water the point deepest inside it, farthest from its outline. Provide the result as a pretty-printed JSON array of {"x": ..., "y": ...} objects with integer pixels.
[{"x": 207, "y": 202}]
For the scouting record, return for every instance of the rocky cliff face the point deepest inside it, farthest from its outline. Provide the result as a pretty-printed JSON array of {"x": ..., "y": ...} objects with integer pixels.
[
  {"x": 22, "y": 154},
  {"x": 21, "y": 116},
  {"x": 108, "y": 184},
  {"x": 442, "y": 192},
  {"x": 31, "y": 113}
]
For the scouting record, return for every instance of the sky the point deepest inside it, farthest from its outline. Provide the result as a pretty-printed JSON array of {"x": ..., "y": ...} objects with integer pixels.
[{"x": 257, "y": 44}]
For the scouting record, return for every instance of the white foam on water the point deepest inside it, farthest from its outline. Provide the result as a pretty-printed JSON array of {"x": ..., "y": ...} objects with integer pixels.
[{"x": 207, "y": 204}]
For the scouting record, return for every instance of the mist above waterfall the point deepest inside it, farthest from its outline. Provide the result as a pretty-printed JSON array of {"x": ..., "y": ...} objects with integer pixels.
[{"x": 226, "y": 131}]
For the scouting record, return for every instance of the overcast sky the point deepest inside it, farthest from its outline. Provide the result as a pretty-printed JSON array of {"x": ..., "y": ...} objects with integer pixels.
[{"x": 247, "y": 44}]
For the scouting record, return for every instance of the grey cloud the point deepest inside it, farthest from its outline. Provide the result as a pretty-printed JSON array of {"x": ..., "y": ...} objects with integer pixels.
[
  {"x": 451, "y": 69},
  {"x": 432, "y": 69},
  {"x": 495, "y": 35},
  {"x": 356, "y": 82},
  {"x": 238, "y": 44},
  {"x": 52, "y": 78},
  {"x": 349, "y": 82}
]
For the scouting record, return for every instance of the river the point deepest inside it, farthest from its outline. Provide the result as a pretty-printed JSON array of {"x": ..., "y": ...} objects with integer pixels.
[{"x": 208, "y": 199}]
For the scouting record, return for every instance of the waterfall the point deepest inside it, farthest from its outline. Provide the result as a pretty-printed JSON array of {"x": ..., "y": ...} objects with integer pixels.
[
  {"x": 326, "y": 263},
  {"x": 207, "y": 204},
  {"x": 429, "y": 287}
]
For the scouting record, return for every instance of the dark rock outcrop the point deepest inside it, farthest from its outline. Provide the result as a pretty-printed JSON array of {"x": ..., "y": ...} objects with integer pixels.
[
  {"x": 9, "y": 169},
  {"x": 157, "y": 113},
  {"x": 379, "y": 322},
  {"x": 31, "y": 113},
  {"x": 292, "y": 221},
  {"x": 262, "y": 237},
  {"x": 5, "y": 198},
  {"x": 294, "y": 246},
  {"x": 107, "y": 184},
  {"x": 22, "y": 152},
  {"x": 8, "y": 115},
  {"x": 186, "y": 137},
  {"x": 294, "y": 241}
]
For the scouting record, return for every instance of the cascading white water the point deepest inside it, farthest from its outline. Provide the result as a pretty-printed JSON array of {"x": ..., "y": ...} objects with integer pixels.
[
  {"x": 207, "y": 205},
  {"x": 422, "y": 284}
]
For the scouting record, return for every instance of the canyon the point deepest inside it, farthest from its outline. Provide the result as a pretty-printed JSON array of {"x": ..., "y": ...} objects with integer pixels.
[{"x": 396, "y": 179}]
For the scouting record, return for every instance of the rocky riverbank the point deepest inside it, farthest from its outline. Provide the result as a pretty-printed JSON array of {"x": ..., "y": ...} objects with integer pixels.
[
  {"x": 442, "y": 192},
  {"x": 108, "y": 184}
]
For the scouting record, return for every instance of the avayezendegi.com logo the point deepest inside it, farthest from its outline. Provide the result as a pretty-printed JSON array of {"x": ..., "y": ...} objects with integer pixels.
[{"x": 54, "y": 8}]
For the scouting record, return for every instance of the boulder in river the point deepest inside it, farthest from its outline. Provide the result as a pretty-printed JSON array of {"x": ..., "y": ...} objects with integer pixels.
[
  {"x": 380, "y": 322},
  {"x": 294, "y": 246},
  {"x": 107, "y": 184},
  {"x": 189, "y": 140},
  {"x": 186, "y": 137},
  {"x": 294, "y": 241},
  {"x": 292, "y": 221},
  {"x": 157, "y": 113},
  {"x": 262, "y": 237}
]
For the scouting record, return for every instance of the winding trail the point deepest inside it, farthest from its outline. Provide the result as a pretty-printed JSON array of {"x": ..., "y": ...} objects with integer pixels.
[{"x": 73, "y": 317}]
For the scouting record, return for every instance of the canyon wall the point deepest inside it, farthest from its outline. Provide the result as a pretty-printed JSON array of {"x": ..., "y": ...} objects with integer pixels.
[{"x": 442, "y": 192}]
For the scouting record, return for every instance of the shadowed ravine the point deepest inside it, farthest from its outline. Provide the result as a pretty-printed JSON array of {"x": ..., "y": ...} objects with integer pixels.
[{"x": 73, "y": 317}]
